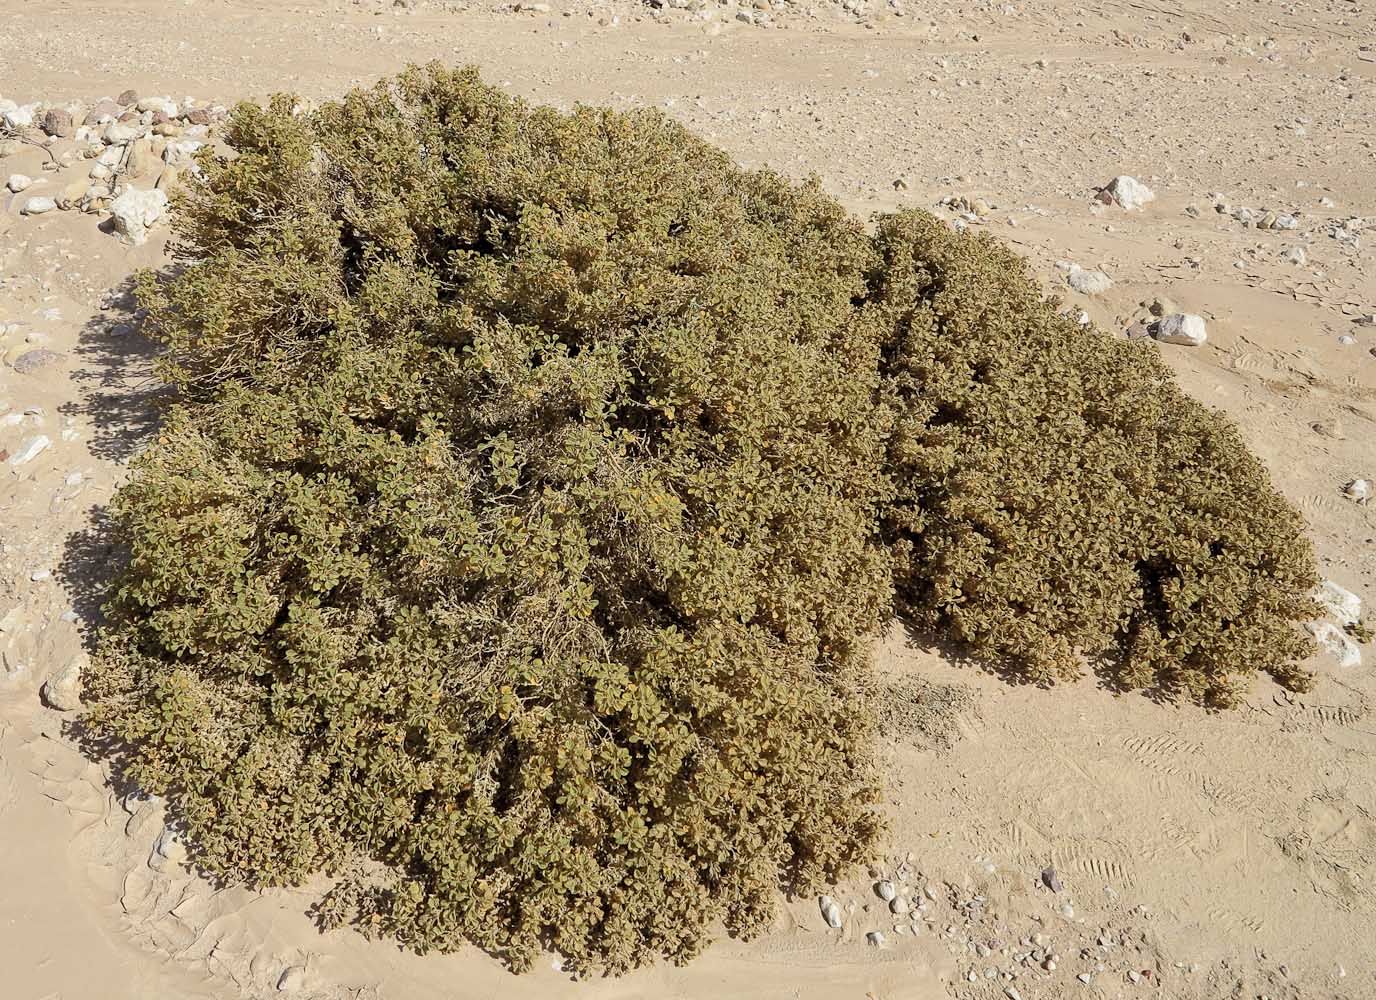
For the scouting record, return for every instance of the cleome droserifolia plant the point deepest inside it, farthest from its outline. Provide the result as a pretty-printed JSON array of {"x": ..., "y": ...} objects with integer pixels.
[
  {"x": 510, "y": 553},
  {"x": 1059, "y": 495},
  {"x": 537, "y": 483}
]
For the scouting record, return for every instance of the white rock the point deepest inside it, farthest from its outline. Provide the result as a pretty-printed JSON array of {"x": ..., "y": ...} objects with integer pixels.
[
  {"x": 1358, "y": 490},
  {"x": 119, "y": 133},
  {"x": 62, "y": 691},
  {"x": 111, "y": 157},
  {"x": 18, "y": 182},
  {"x": 134, "y": 211},
  {"x": 899, "y": 905},
  {"x": 831, "y": 911},
  {"x": 875, "y": 938},
  {"x": 163, "y": 104},
  {"x": 180, "y": 151},
  {"x": 37, "y": 206},
  {"x": 1296, "y": 255},
  {"x": 1088, "y": 282},
  {"x": 17, "y": 116},
  {"x": 292, "y": 980},
  {"x": 885, "y": 890},
  {"x": 1182, "y": 328},
  {"x": 1336, "y": 642},
  {"x": 35, "y": 447},
  {"x": 1341, "y": 604},
  {"x": 1129, "y": 192}
]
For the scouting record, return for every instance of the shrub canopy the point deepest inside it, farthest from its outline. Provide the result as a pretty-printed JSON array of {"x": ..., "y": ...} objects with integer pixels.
[
  {"x": 538, "y": 481},
  {"x": 516, "y": 533},
  {"x": 1059, "y": 495}
]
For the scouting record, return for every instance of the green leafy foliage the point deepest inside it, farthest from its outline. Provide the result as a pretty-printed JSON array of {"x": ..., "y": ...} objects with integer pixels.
[
  {"x": 538, "y": 482},
  {"x": 1059, "y": 495}
]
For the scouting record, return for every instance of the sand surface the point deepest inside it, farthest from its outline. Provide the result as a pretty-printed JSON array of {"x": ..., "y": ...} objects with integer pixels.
[{"x": 1200, "y": 856}]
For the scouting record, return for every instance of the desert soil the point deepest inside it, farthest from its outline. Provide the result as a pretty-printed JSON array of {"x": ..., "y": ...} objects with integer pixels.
[{"x": 1197, "y": 855}]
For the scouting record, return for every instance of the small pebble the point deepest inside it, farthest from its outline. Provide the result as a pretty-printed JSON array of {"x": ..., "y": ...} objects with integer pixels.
[{"x": 38, "y": 206}]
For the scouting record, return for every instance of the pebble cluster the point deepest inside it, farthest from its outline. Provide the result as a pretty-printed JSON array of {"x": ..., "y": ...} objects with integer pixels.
[
  {"x": 116, "y": 157},
  {"x": 1022, "y": 942}
]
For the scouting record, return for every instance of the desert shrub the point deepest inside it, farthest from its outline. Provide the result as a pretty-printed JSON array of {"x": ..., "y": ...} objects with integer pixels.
[
  {"x": 1058, "y": 494},
  {"x": 510, "y": 552},
  {"x": 513, "y": 549}
]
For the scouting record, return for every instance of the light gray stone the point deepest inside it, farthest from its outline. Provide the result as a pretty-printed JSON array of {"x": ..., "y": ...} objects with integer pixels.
[
  {"x": 1130, "y": 193},
  {"x": 1182, "y": 328},
  {"x": 62, "y": 691}
]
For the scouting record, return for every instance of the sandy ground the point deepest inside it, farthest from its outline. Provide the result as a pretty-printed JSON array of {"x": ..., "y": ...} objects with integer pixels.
[{"x": 1199, "y": 856}]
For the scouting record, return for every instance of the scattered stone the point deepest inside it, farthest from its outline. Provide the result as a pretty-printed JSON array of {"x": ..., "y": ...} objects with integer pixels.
[
  {"x": 1129, "y": 192},
  {"x": 134, "y": 211},
  {"x": 18, "y": 182},
  {"x": 1336, "y": 643},
  {"x": 140, "y": 160},
  {"x": 168, "y": 180},
  {"x": 62, "y": 691},
  {"x": 17, "y": 118},
  {"x": 1358, "y": 490},
  {"x": 1162, "y": 306},
  {"x": 198, "y": 116},
  {"x": 72, "y": 194},
  {"x": 157, "y": 105},
  {"x": 1296, "y": 256},
  {"x": 119, "y": 133},
  {"x": 1331, "y": 427},
  {"x": 1341, "y": 604},
  {"x": 38, "y": 206},
  {"x": 831, "y": 911},
  {"x": 128, "y": 98},
  {"x": 875, "y": 938},
  {"x": 32, "y": 361},
  {"x": 292, "y": 980},
  {"x": 1087, "y": 282},
  {"x": 104, "y": 111},
  {"x": 1051, "y": 879},
  {"x": 899, "y": 905},
  {"x": 1085, "y": 978},
  {"x": 180, "y": 152},
  {"x": 1138, "y": 331},
  {"x": 57, "y": 122},
  {"x": 1182, "y": 328},
  {"x": 31, "y": 450},
  {"x": 885, "y": 891}
]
